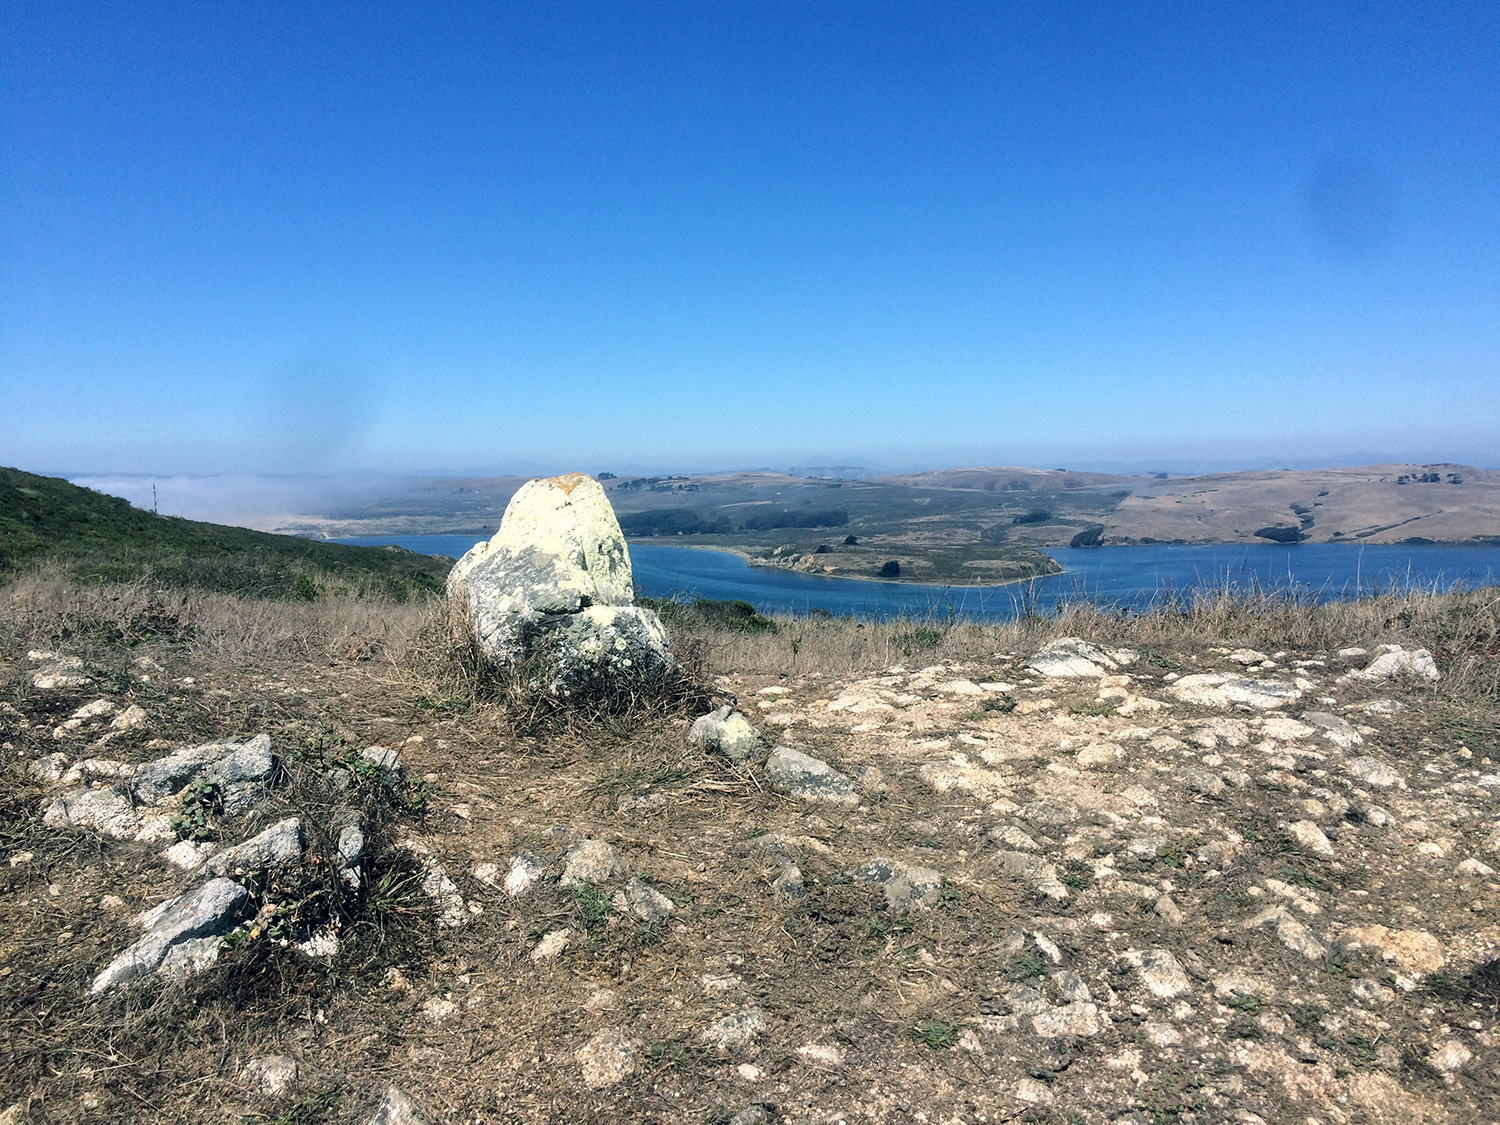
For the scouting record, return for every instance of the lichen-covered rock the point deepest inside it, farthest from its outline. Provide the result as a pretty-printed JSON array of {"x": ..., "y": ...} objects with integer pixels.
[
  {"x": 591, "y": 861},
  {"x": 606, "y": 1059},
  {"x": 1217, "y": 689},
  {"x": 553, "y": 589}
]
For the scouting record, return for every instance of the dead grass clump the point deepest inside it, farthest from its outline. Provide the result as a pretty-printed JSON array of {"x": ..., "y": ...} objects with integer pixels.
[{"x": 451, "y": 672}]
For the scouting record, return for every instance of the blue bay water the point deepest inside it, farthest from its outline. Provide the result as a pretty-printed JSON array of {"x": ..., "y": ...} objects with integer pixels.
[{"x": 1122, "y": 576}]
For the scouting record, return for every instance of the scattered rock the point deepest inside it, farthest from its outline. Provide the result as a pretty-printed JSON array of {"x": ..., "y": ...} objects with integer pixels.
[
  {"x": 907, "y": 889},
  {"x": 239, "y": 769},
  {"x": 553, "y": 588},
  {"x": 789, "y": 881},
  {"x": 737, "y": 1030},
  {"x": 588, "y": 861},
  {"x": 1078, "y": 1019},
  {"x": 801, "y": 775},
  {"x": 1073, "y": 657},
  {"x": 351, "y": 850},
  {"x": 607, "y": 1060},
  {"x": 551, "y": 946},
  {"x": 278, "y": 844},
  {"x": 1041, "y": 875},
  {"x": 725, "y": 732},
  {"x": 437, "y": 886},
  {"x": 644, "y": 901},
  {"x": 1338, "y": 731},
  {"x": 1450, "y": 1056},
  {"x": 821, "y": 1054},
  {"x": 526, "y": 870},
  {"x": 1160, "y": 972},
  {"x": 207, "y": 912},
  {"x": 1311, "y": 837},
  {"x": 1289, "y": 931},
  {"x": 1373, "y": 772},
  {"x": 1400, "y": 662},
  {"x": 395, "y": 1108},
  {"x": 1216, "y": 689},
  {"x": 1411, "y": 951},
  {"x": 272, "y": 1075}
]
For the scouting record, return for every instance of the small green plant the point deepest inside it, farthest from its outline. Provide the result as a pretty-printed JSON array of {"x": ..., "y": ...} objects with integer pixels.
[
  {"x": 1244, "y": 1029},
  {"x": 935, "y": 1034},
  {"x": 591, "y": 908},
  {"x": 1175, "y": 852},
  {"x": 919, "y": 638},
  {"x": 394, "y": 893},
  {"x": 1159, "y": 660},
  {"x": 1307, "y": 1016},
  {"x": 668, "y": 1054},
  {"x": 1247, "y": 1002},
  {"x": 202, "y": 801},
  {"x": 1002, "y": 703},
  {"x": 1026, "y": 968}
]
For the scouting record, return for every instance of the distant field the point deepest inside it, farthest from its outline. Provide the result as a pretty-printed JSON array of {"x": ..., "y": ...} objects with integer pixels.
[{"x": 977, "y": 525}]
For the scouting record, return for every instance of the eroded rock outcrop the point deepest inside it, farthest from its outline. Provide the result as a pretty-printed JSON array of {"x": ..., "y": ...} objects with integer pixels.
[{"x": 552, "y": 589}]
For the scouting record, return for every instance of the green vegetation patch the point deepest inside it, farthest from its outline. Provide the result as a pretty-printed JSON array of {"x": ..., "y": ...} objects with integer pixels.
[{"x": 103, "y": 538}]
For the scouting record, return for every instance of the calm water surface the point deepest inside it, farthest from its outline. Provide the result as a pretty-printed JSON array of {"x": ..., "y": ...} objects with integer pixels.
[{"x": 1126, "y": 576}]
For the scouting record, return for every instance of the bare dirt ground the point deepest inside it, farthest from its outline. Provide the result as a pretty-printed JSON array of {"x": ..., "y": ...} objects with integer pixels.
[{"x": 1151, "y": 902}]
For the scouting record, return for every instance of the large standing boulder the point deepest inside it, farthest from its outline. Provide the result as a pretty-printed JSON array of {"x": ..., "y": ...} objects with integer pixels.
[{"x": 552, "y": 590}]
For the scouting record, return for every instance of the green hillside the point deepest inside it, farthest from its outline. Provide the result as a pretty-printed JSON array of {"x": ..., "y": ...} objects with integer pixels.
[{"x": 102, "y": 537}]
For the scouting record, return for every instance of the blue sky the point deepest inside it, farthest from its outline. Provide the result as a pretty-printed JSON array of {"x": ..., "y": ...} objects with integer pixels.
[{"x": 320, "y": 237}]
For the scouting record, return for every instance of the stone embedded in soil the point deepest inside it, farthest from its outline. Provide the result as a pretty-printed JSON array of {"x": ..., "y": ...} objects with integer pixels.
[
  {"x": 526, "y": 871},
  {"x": 607, "y": 1059},
  {"x": 736, "y": 1031},
  {"x": 551, "y": 946},
  {"x": 271, "y": 1074},
  {"x": 1400, "y": 662},
  {"x": 240, "y": 770},
  {"x": 1373, "y": 772},
  {"x": 1038, "y": 873},
  {"x": 907, "y": 889},
  {"x": 437, "y": 886},
  {"x": 1078, "y": 1018},
  {"x": 207, "y": 912},
  {"x": 100, "y": 810},
  {"x": 395, "y": 1108},
  {"x": 1338, "y": 731},
  {"x": 588, "y": 861},
  {"x": 351, "y": 849},
  {"x": 801, "y": 775},
  {"x": 1311, "y": 837},
  {"x": 1160, "y": 972},
  {"x": 1289, "y": 931},
  {"x": 1411, "y": 951},
  {"x": 1071, "y": 657},
  {"x": 281, "y": 843},
  {"x": 1216, "y": 689},
  {"x": 789, "y": 881},
  {"x": 725, "y": 732},
  {"x": 644, "y": 902}
]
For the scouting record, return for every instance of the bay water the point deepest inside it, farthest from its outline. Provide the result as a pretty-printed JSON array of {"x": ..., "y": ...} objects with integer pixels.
[{"x": 1118, "y": 576}]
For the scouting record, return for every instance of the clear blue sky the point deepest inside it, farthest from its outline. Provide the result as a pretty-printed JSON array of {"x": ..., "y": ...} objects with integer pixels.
[{"x": 255, "y": 237}]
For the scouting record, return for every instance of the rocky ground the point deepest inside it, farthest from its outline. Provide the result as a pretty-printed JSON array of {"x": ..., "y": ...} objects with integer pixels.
[{"x": 1073, "y": 883}]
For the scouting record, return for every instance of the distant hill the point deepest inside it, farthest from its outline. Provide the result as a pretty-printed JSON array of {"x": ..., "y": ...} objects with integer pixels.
[{"x": 91, "y": 535}]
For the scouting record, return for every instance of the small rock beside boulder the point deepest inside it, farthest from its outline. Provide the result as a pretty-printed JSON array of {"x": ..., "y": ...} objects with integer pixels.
[
  {"x": 801, "y": 775},
  {"x": 725, "y": 732}
]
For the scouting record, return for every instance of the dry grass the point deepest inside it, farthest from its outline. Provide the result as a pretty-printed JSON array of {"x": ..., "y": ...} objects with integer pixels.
[
  {"x": 44, "y": 607},
  {"x": 383, "y": 672},
  {"x": 1462, "y": 629}
]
